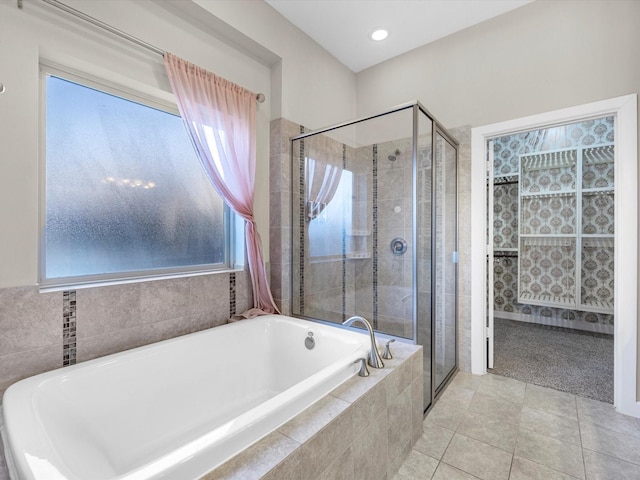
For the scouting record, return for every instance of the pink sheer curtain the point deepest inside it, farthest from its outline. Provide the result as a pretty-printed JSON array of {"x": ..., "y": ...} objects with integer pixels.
[{"x": 220, "y": 117}]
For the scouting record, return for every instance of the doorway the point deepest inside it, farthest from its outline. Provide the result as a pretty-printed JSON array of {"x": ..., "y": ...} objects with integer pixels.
[
  {"x": 624, "y": 110},
  {"x": 550, "y": 258}
]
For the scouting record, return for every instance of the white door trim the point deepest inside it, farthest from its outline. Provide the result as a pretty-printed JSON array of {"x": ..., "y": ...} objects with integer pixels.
[{"x": 626, "y": 239}]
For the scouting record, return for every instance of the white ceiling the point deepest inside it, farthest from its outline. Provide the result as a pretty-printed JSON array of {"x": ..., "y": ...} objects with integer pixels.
[{"x": 343, "y": 26}]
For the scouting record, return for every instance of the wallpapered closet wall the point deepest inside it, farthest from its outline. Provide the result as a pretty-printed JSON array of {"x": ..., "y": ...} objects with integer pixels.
[{"x": 553, "y": 233}]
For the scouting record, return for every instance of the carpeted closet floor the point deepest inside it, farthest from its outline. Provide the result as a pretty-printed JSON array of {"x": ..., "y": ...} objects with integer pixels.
[{"x": 569, "y": 360}]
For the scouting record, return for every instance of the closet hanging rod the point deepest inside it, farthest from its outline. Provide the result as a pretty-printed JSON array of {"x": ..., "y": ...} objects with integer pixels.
[
  {"x": 115, "y": 31},
  {"x": 506, "y": 255}
]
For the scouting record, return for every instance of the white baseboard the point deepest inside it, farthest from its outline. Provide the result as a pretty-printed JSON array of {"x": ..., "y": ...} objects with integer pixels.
[{"x": 555, "y": 322}]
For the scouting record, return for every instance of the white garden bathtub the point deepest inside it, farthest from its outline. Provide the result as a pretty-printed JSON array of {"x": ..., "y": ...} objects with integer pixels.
[{"x": 176, "y": 409}]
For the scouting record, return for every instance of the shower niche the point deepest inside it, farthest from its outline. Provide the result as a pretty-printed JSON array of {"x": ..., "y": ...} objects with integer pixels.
[{"x": 374, "y": 229}]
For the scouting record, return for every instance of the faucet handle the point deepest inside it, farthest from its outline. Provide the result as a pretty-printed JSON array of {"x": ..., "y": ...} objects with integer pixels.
[
  {"x": 364, "y": 371},
  {"x": 387, "y": 351}
]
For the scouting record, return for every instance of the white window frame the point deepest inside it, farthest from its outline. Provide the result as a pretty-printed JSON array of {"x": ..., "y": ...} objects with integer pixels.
[{"x": 234, "y": 227}]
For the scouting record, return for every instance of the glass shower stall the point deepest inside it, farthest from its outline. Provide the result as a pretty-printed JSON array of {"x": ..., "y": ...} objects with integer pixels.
[{"x": 374, "y": 231}]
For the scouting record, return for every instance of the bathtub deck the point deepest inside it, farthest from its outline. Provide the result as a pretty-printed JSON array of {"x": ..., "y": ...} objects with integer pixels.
[{"x": 362, "y": 430}]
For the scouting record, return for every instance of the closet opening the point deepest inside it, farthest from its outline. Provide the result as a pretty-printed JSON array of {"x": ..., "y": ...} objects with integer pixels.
[{"x": 550, "y": 259}]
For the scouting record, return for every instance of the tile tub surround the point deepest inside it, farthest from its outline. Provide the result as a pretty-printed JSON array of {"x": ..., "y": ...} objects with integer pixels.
[
  {"x": 108, "y": 319},
  {"x": 362, "y": 430},
  {"x": 491, "y": 427}
]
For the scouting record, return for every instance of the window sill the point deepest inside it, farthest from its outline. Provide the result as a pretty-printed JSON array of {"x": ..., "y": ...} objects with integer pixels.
[{"x": 123, "y": 281}]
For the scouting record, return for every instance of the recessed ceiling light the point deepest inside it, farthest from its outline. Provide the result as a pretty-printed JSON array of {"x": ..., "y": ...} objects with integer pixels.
[{"x": 379, "y": 34}]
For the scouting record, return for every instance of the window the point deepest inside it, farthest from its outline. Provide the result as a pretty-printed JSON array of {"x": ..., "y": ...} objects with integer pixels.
[{"x": 125, "y": 195}]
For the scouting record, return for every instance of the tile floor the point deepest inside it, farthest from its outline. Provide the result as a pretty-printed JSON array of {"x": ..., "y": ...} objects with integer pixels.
[{"x": 492, "y": 427}]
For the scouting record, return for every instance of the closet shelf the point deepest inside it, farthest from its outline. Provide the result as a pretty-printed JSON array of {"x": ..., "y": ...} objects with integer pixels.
[
  {"x": 598, "y": 242},
  {"x": 546, "y": 300},
  {"x": 548, "y": 241},
  {"x": 598, "y": 191},
  {"x": 596, "y": 155},
  {"x": 549, "y": 160},
  {"x": 595, "y": 306},
  {"x": 563, "y": 193}
]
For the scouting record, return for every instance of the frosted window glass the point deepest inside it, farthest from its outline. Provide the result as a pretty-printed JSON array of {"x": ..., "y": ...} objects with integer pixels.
[{"x": 125, "y": 191}]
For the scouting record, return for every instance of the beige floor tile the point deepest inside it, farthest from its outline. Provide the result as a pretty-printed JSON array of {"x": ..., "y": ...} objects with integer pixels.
[
  {"x": 523, "y": 469},
  {"x": 551, "y": 401},
  {"x": 605, "y": 415},
  {"x": 503, "y": 387},
  {"x": 489, "y": 430},
  {"x": 444, "y": 415},
  {"x": 604, "y": 467},
  {"x": 602, "y": 440},
  {"x": 477, "y": 458},
  {"x": 399, "y": 476},
  {"x": 540, "y": 421},
  {"x": 550, "y": 452},
  {"x": 434, "y": 440},
  {"x": 447, "y": 472},
  {"x": 467, "y": 380},
  {"x": 458, "y": 397},
  {"x": 496, "y": 408},
  {"x": 418, "y": 466}
]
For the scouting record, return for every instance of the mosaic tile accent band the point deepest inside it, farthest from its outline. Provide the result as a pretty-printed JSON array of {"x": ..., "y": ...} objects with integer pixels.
[
  {"x": 301, "y": 189},
  {"x": 68, "y": 327},
  {"x": 232, "y": 294},
  {"x": 374, "y": 254}
]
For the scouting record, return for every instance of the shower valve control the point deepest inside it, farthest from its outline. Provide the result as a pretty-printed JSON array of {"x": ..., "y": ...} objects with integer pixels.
[{"x": 398, "y": 246}]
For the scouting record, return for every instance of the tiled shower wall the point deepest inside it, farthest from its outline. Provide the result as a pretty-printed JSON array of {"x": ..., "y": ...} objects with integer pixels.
[
  {"x": 387, "y": 296},
  {"x": 280, "y": 234},
  {"x": 44, "y": 331},
  {"x": 280, "y": 210}
]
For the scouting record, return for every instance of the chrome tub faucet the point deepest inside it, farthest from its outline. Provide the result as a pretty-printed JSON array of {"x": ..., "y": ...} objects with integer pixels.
[{"x": 374, "y": 357}]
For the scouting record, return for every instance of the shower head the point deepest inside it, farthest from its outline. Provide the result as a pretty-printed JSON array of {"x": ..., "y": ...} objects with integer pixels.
[{"x": 392, "y": 158}]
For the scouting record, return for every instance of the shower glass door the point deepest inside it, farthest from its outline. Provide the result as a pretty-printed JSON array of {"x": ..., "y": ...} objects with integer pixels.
[
  {"x": 374, "y": 231},
  {"x": 445, "y": 259},
  {"x": 353, "y": 224},
  {"x": 423, "y": 242}
]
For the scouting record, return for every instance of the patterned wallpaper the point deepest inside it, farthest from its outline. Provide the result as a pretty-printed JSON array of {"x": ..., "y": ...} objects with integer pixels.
[
  {"x": 507, "y": 150},
  {"x": 505, "y": 216},
  {"x": 552, "y": 213}
]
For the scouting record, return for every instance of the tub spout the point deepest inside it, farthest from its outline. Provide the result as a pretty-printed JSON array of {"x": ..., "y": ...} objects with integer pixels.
[{"x": 374, "y": 357}]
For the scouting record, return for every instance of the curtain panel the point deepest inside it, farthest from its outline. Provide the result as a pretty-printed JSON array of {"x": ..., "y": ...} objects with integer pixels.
[{"x": 220, "y": 117}]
